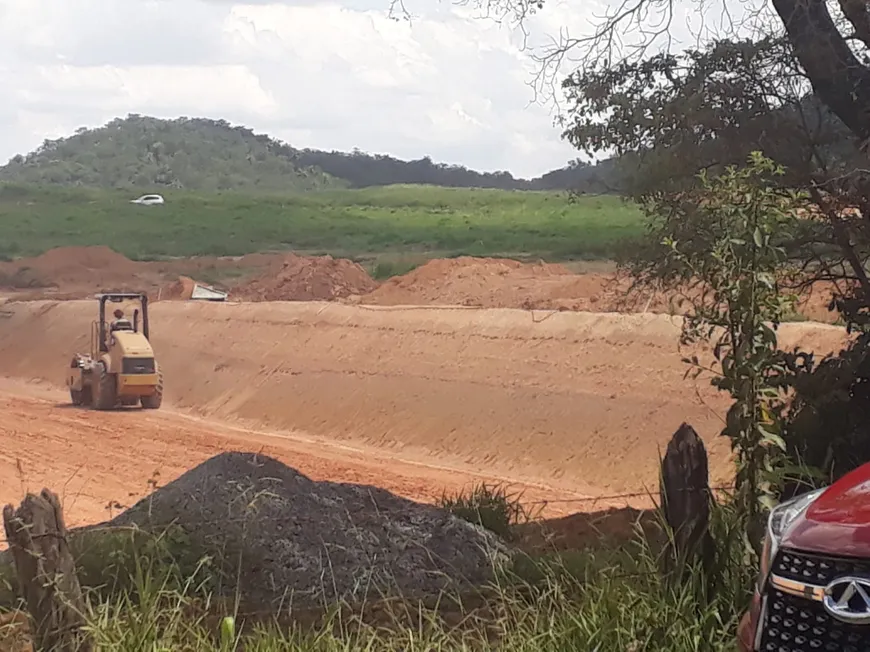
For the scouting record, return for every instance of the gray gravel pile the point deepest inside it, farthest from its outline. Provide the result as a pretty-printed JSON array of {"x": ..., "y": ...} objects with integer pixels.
[{"x": 286, "y": 540}]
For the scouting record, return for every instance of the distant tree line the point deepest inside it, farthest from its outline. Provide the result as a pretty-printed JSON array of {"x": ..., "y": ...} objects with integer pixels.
[
  {"x": 202, "y": 154},
  {"x": 363, "y": 170}
]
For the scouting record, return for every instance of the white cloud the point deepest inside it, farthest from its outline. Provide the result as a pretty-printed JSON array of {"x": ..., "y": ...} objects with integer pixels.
[{"x": 326, "y": 74}]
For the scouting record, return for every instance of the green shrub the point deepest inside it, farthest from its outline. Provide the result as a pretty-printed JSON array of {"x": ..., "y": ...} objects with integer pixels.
[{"x": 491, "y": 507}]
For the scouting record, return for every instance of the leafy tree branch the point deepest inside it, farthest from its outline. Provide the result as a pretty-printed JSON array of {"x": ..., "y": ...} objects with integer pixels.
[{"x": 736, "y": 263}]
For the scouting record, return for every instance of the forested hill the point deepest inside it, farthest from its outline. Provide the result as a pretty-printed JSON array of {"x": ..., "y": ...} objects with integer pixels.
[
  {"x": 201, "y": 154},
  {"x": 149, "y": 153}
]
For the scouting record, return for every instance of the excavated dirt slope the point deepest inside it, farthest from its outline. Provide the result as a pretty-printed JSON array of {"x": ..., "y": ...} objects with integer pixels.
[
  {"x": 502, "y": 283},
  {"x": 577, "y": 401},
  {"x": 79, "y": 272},
  {"x": 495, "y": 283},
  {"x": 69, "y": 270}
]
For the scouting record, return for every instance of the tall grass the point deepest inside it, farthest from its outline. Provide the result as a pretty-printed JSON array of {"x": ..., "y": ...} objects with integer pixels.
[
  {"x": 493, "y": 507},
  {"x": 608, "y": 599}
]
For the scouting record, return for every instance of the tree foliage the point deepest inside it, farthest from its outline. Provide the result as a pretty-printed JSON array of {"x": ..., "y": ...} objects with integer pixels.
[
  {"x": 830, "y": 41},
  {"x": 734, "y": 263},
  {"x": 199, "y": 154},
  {"x": 672, "y": 116},
  {"x": 363, "y": 170},
  {"x": 143, "y": 152},
  {"x": 828, "y": 422},
  {"x": 675, "y": 115}
]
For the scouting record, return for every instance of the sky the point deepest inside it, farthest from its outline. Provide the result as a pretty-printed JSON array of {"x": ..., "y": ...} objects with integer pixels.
[{"x": 326, "y": 74}]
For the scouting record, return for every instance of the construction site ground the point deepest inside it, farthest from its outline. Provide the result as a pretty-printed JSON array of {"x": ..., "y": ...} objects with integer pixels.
[{"x": 572, "y": 408}]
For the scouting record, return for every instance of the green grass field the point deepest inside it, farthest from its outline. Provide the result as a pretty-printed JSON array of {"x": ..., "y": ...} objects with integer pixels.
[{"x": 394, "y": 219}]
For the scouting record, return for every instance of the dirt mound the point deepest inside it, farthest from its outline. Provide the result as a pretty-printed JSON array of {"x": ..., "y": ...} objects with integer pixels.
[
  {"x": 504, "y": 283},
  {"x": 71, "y": 263},
  {"x": 77, "y": 271},
  {"x": 493, "y": 283},
  {"x": 179, "y": 290},
  {"x": 307, "y": 278},
  {"x": 282, "y": 538},
  {"x": 438, "y": 270}
]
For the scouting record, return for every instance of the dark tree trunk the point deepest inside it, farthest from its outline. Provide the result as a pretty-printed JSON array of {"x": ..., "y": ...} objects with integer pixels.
[
  {"x": 685, "y": 500},
  {"x": 838, "y": 77},
  {"x": 37, "y": 538}
]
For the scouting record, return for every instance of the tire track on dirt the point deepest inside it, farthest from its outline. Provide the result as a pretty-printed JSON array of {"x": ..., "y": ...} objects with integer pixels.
[
  {"x": 97, "y": 459},
  {"x": 580, "y": 402}
]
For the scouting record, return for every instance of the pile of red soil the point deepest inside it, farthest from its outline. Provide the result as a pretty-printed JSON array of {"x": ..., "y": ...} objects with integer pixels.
[
  {"x": 70, "y": 264},
  {"x": 307, "y": 278},
  {"x": 502, "y": 283},
  {"x": 493, "y": 283},
  {"x": 437, "y": 270},
  {"x": 179, "y": 290},
  {"x": 74, "y": 268}
]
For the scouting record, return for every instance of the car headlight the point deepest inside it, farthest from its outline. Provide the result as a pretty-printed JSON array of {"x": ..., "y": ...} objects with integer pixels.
[{"x": 781, "y": 518}]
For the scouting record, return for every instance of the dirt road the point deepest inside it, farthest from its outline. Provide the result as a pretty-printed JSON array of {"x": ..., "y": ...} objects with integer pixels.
[
  {"x": 580, "y": 403},
  {"x": 100, "y": 462}
]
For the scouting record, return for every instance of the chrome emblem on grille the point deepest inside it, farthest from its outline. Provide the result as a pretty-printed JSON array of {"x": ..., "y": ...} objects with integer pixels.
[{"x": 848, "y": 599}]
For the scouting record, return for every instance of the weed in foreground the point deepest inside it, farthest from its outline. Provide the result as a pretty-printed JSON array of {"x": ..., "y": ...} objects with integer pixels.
[
  {"x": 492, "y": 507},
  {"x": 597, "y": 600}
]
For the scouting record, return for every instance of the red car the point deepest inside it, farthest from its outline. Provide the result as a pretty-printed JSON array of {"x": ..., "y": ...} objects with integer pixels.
[{"x": 813, "y": 592}]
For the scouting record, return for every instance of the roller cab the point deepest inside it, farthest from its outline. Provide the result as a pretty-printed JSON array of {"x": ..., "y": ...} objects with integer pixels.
[{"x": 121, "y": 368}]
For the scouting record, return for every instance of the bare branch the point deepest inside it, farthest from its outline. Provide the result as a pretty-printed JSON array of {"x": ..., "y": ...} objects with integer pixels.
[{"x": 858, "y": 13}]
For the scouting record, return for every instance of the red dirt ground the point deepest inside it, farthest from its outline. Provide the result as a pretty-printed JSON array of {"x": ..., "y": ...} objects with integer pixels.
[
  {"x": 180, "y": 290},
  {"x": 79, "y": 272},
  {"x": 499, "y": 283},
  {"x": 572, "y": 406},
  {"x": 307, "y": 278},
  {"x": 578, "y": 403},
  {"x": 47, "y": 442}
]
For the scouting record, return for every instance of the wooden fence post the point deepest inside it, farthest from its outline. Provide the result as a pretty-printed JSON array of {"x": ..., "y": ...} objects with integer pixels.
[
  {"x": 685, "y": 499},
  {"x": 46, "y": 573}
]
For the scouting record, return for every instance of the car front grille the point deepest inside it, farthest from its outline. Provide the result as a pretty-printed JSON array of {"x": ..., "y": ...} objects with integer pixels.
[
  {"x": 800, "y": 624},
  {"x": 137, "y": 366},
  {"x": 817, "y": 569}
]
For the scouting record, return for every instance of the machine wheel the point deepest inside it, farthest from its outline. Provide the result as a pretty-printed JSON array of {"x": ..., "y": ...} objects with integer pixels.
[
  {"x": 154, "y": 401},
  {"x": 76, "y": 395},
  {"x": 105, "y": 398}
]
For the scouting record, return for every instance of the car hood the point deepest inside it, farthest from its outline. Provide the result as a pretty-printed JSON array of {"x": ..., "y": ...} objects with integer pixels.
[{"x": 838, "y": 521}]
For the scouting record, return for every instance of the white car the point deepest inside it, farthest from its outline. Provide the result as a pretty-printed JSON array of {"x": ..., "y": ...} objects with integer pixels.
[{"x": 148, "y": 200}]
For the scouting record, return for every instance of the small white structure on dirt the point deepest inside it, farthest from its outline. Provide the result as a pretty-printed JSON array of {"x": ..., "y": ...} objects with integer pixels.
[
  {"x": 186, "y": 289},
  {"x": 205, "y": 293}
]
